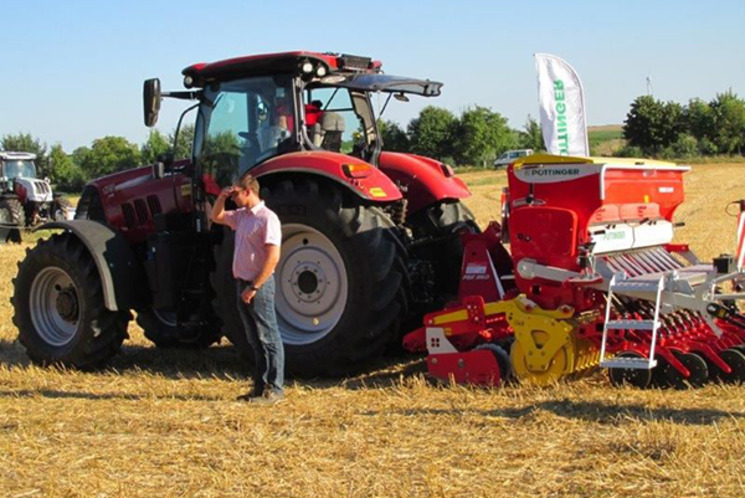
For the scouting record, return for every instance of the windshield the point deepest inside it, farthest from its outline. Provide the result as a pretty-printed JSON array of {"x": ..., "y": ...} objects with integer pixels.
[
  {"x": 17, "y": 168},
  {"x": 242, "y": 123}
]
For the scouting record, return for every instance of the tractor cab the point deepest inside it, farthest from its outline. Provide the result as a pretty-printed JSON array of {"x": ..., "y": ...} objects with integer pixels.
[
  {"x": 254, "y": 108},
  {"x": 17, "y": 165}
]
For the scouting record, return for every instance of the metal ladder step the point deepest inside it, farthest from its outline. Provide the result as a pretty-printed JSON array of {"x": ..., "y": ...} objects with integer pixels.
[
  {"x": 629, "y": 363},
  {"x": 632, "y": 325},
  {"x": 635, "y": 285},
  {"x": 619, "y": 283}
]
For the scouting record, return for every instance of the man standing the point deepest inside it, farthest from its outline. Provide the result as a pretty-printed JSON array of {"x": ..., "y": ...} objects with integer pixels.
[{"x": 258, "y": 236}]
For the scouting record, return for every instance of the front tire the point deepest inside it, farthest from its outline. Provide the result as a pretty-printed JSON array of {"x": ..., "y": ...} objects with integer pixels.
[
  {"x": 60, "y": 207},
  {"x": 59, "y": 307},
  {"x": 11, "y": 214}
]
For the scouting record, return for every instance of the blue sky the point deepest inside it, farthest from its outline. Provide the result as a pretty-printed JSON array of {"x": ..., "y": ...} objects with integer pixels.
[{"x": 72, "y": 71}]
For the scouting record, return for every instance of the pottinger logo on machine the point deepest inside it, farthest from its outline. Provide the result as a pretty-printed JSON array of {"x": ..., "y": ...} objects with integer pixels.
[{"x": 555, "y": 173}]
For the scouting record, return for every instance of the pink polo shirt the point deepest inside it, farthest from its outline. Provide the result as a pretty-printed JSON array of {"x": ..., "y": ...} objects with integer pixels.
[{"x": 254, "y": 229}]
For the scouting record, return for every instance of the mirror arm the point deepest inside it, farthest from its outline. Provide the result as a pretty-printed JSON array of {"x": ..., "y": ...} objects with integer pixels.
[{"x": 181, "y": 95}]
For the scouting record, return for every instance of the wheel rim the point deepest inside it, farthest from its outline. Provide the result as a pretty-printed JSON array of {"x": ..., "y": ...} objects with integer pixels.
[
  {"x": 55, "y": 306},
  {"x": 312, "y": 285}
]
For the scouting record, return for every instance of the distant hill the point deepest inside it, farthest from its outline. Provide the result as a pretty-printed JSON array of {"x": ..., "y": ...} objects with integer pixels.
[{"x": 605, "y": 139}]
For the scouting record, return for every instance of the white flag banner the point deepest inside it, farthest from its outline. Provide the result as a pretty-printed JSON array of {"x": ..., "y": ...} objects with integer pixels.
[{"x": 562, "y": 107}]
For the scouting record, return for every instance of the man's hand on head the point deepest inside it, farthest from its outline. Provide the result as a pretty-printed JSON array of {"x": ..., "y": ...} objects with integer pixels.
[{"x": 228, "y": 191}]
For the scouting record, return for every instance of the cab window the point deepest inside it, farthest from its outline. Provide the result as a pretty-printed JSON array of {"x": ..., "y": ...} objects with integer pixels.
[{"x": 331, "y": 120}]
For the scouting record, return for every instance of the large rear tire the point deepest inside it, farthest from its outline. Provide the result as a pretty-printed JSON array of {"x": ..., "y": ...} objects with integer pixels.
[
  {"x": 59, "y": 307},
  {"x": 340, "y": 281}
]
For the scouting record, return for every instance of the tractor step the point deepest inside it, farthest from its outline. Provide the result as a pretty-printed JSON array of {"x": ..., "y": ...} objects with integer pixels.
[{"x": 629, "y": 363}]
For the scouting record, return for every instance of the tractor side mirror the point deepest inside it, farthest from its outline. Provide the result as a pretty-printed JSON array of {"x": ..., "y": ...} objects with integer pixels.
[{"x": 151, "y": 101}]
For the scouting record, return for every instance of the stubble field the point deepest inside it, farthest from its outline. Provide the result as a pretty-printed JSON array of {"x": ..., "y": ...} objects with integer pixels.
[{"x": 165, "y": 423}]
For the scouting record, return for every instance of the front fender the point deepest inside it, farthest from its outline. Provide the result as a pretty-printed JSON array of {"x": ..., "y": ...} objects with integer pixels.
[
  {"x": 121, "y": 273},
  {"x": 375, "y": 186},
  {"x": 427, "y": 181}
]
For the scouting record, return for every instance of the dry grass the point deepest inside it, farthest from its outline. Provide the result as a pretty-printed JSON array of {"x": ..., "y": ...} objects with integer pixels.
[{"x": 165, "y": 423}]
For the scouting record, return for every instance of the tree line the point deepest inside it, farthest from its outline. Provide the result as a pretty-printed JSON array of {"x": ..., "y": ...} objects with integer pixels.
[
  {"x": 106, "y": 155},
  {"x": 475, "y": 137},
  {"x": 672, "y": 130}
]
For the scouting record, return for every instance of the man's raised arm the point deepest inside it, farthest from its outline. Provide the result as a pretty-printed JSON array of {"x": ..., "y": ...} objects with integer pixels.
[{"x": 218, "y": 210}]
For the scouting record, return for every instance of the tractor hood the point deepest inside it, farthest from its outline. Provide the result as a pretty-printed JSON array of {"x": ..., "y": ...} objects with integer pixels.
[{"x": 35, "y": 190}]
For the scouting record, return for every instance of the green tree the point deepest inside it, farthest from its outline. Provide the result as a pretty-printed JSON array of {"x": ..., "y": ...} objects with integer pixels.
[
  {"x": 65, "y": 174},
  {"x": 652, "y": 124},
  {"x": 185, "y": 138},
  {"x": 698, "y": 117},
  {"x": 107, "y": 155},
  {"x": 729, "y": 122},
  {"x": 156, "y": 144},
  {"x": 481, "y": 134},
  {"x": 531, "y": 136},
  {"x": 25, "y": 142},
  {"x": 431, "y": 132},
  {"x": 393, "y": 136}
]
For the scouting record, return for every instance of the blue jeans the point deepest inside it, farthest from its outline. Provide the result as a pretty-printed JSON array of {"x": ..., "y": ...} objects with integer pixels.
[{"x": 260, "y": 323}]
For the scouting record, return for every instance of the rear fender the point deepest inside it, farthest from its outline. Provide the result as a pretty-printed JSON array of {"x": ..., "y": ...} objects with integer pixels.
[
  {"x": 119, "y": 269},
  {"x": 374, "y": 186},
  {"x": 427, "y": 181}
]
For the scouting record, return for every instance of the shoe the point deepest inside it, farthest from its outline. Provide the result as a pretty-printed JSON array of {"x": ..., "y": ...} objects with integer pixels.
[
  {"x": 273, "y": 397},
  {"x": 269, "y": 398},
  {"x": 249, "y": 396}
]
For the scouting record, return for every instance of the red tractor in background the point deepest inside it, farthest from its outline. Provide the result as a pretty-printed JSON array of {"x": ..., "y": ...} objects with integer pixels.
[{"x": 370, "y": 238}]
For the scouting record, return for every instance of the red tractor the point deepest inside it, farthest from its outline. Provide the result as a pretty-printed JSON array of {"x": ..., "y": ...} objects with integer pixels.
[{"x": 370, "y": 238}]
